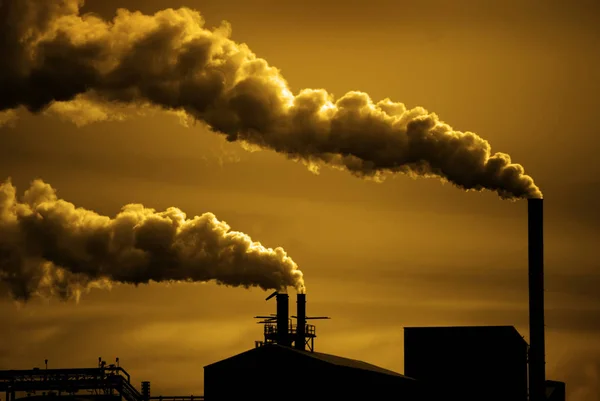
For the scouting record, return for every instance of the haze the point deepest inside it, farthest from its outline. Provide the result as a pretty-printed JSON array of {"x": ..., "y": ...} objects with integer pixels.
[{"x": 376, "y": 257}]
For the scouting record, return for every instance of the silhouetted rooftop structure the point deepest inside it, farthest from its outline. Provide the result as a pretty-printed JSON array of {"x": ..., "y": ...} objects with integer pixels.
[
  {"x": 275, "y": 372},
  {"x": 470, "y": 363},
  {"x": 555, "y": 390},
  {"x": 104, "y": 383},
  {"x": 351, "y": 363},
  {"x": 82, "y": 397},
  {"x": 327, "y": 358}
]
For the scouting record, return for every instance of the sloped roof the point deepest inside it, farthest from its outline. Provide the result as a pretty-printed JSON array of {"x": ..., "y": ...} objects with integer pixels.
[
  {"x": 508, "y": 332},
  {"x": 350, "y": 363},
  {"x": 327, "y": 358}
]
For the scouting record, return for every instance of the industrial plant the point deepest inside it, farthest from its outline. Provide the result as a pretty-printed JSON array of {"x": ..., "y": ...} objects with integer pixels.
[{"x": 483, "y": 363}]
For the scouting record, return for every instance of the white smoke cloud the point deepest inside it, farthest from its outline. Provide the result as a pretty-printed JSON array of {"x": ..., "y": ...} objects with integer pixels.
[
  {"x": 88, "y": 109},
  {"x": 8, "y": 118},
  {"x": 50, "y": 247},
  {"x": 50, "y": 53}
]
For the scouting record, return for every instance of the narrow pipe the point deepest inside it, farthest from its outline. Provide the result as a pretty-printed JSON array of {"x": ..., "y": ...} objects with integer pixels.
[
  {"x": 300, "y": 342},
  {"x": 283, "y": 319},
  {"x": 537, "y": 363}
]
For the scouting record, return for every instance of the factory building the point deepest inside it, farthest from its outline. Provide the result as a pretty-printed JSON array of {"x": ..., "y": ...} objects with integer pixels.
[
  {"x": 285, "y": 367},
  {"x": 467, "y": 363},
  {"x": 278, "y": 372},
  {"x": 490, "y": 363}
]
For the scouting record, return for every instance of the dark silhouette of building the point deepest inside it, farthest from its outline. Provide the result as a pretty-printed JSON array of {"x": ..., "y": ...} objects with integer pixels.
[
  {"x": 79, "y": 397},
  {"x": 492, "y": 363},
  {"x": 276, "y": 372},
  {"x": 104, "y": 383},
  {"x": 555, "y": 390},
  {"x": 278, "y": 328},
  {"x": 467, "y": 363},
  {"x": 285, "y": 367}
]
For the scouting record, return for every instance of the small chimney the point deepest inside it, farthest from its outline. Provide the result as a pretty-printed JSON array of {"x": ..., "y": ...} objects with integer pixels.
[
  {"x": 283, "y": 319},
  {"x": 300, "y": 342},
  {"x": 537, "y": 363},
  {"x": 146, "y": 391}
]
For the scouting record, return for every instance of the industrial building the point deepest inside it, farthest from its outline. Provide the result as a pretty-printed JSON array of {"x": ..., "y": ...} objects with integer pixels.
[
  {"x": 467, "y": 363},
  {"x": 490, "y": 363},
  {"x": 283, "y": 373},
  {"x": 285, "y": 367},
  {"x": 103, "y": 383}
]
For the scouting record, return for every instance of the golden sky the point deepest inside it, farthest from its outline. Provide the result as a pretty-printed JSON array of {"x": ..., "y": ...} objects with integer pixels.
[{"x": 376, "y": 257}]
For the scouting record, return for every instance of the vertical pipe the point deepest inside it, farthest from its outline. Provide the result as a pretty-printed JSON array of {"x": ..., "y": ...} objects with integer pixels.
[
  {"x": 145, "y": 391},
  {"x": 283, "y": 319},
  {"x": 537, "y": 368},
  {"x": 300, "y": 342}
]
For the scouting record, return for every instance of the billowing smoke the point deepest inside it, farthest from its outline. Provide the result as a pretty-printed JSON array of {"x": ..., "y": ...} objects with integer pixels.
[
  {"x": 51, "y": 53},
  {"x": 49, "y": 247}
]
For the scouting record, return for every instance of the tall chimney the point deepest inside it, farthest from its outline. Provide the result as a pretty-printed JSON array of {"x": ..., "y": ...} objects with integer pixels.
[
  {"x": 283, "y": 319},
  {"x": 300, "y": 342},
  {"x": 537, "y": 363}
]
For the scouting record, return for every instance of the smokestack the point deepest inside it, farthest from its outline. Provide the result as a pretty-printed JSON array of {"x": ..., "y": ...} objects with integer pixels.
[
  {"x": 301, "y": 322},
  {"x": 537, "y": 368},
  {"x": 283, "y": 319}
]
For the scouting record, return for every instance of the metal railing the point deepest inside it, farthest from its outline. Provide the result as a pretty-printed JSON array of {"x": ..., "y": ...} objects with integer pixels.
[
  {"x": 102, "y": 380},
  {"x": 270, "y": 329}
]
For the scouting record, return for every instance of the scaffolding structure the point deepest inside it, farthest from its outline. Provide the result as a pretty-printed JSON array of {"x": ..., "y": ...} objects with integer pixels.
[{"x": 104, "y": 380}]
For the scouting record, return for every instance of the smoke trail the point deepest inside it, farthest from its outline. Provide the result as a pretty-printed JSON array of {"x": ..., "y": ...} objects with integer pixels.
[
  {"x": 50, "y": 52},
  {"x": 8, "y": 117},
  {"x": 50, "y": 247}
]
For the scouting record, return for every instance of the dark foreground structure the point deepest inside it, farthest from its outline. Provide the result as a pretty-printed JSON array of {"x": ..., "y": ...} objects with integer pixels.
[
  {"x": 537, "y": 351},
  {"x": 103, "y": 383},
  {"x": 471, "y": 363},
  {"x": 481, "y": 363},
  {"x": 467, "y": 363},
  {"x": 294, "y": 371},
  {"x": 441, "y": 363},
  {"x": 277, "y": 372}
]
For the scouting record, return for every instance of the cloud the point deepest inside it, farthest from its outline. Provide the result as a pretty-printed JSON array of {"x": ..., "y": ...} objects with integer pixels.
[
  {"x": 52, "y": 54},
  {"x": 8, "y": 118},
  {"x": 49, "y": 247},
  {"x": 89, "y": 109},
  {"x": 581, "y": 373}
]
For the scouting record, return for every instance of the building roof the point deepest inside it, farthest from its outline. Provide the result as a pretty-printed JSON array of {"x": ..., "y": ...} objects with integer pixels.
[
  {"x": 350, "y": 363},
  {"x": 326, "y": 358},
  {"x": 494, "y": 331}
]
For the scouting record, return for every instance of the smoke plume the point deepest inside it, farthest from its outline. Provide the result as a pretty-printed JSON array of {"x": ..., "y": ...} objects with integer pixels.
[
  {"x": 49, "y": 247},
  {"x": 50, "y": 52}
]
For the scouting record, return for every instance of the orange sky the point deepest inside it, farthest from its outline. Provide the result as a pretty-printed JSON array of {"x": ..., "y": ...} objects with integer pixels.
[{"x": 376, "y": 257}]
